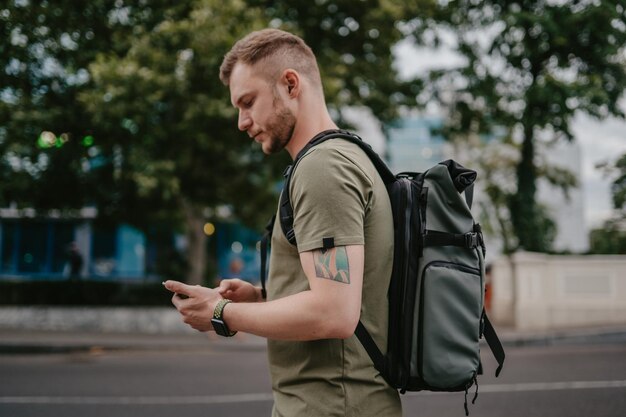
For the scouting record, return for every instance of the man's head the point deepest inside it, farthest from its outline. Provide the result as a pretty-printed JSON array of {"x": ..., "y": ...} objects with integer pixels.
[
  {"x": 266, "y": 72},
  {"x": 270, "y": 52}
]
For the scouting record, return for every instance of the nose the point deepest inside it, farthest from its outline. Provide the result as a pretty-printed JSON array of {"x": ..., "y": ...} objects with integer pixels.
[{"x": 244, "y": 121}]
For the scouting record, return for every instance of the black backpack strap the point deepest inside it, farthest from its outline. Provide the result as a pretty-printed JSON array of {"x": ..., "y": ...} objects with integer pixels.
[
  {"x": 372, "y": 349},
  {"x": 465, "y": 240},
  {"x": 285, "y": 208},
  {"x": 265, "y": 240},
  {"x": 285, "y": 211},
  {"x": 494, "y": 343},
  {"x": 469, "y": 195}
]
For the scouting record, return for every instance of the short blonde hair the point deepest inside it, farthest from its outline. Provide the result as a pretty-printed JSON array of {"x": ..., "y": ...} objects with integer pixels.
[{"x": 276, "y": 50}]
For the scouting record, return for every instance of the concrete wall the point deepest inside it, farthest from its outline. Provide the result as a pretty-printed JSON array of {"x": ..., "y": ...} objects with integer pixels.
[{"x": 556, "y": 291}]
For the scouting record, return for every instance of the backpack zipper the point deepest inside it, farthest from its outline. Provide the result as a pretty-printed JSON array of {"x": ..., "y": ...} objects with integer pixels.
[
  {"x": 452, "y": 265},
  {"x": 406, "y": 183}
]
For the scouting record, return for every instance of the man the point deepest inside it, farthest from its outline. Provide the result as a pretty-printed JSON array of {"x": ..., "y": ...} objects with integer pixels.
[
  {"x": 316, "y": 293},
  {"x": 74, "y": 261}
]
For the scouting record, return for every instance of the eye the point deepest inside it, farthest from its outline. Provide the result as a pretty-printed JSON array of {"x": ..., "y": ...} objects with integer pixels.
[{"x": 248, "y": 103}]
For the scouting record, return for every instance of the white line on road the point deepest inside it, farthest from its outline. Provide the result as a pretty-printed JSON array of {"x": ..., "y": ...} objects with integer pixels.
[
  {"x": 541, "y": 386},
  {"x": 204, "y": 399},
  {"x": 256, "y": 397}
]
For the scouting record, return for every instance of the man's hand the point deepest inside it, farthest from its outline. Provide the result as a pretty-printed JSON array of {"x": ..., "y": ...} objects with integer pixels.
[
  {"x": 194, "y": 303},
  {"x": 239, "y": 291}
]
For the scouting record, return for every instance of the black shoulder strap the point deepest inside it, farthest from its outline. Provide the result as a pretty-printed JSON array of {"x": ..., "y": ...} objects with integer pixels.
[
  {"x": 265, "y": 240},
  {"x": 494, "y": 343},
  {"x": 372, "y": 349},
  {"x": 285, "y": 208},
  {"x": 469, "y": 196}
]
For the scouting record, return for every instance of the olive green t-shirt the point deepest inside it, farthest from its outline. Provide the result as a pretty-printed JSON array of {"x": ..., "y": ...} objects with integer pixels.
[{"x": 336, "y": 193}]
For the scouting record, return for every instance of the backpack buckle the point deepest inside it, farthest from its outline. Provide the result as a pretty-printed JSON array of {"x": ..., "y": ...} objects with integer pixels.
[
  {"x": 471, "y": 240},
  {"x": 291, "y": 236}
]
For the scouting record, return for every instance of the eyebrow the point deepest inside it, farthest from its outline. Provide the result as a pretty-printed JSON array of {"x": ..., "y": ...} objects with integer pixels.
[{"x": 241, "y": 98}]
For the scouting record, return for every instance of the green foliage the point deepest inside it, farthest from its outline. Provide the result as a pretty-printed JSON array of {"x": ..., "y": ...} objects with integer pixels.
[
  {"x": 45, "y": 52},
  {"x": 618, "y": 187},
  {"x": 528, "y": 66},
  {"x": 611, "y": 237},
  {"x": 165, "y": 108}
]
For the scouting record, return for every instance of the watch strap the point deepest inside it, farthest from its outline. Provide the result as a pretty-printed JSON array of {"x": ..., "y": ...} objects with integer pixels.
[
  {"x": 219, "y": 308},
  {"x": 218, "y": 315}
]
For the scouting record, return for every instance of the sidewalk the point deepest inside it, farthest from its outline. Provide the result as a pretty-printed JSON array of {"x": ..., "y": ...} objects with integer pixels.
[
  {"x": 600, "y": 334},
  {"x": 40, "y": 342}
]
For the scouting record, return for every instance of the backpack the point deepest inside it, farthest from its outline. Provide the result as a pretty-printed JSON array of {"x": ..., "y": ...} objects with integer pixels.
[{"x": 437, "y": 287}]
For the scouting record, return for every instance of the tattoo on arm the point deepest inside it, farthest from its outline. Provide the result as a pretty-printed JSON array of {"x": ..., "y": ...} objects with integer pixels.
[{"x": 332, "y": 264}]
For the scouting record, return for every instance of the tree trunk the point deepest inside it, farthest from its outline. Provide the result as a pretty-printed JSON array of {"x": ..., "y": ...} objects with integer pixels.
[
  {"x": 523, "y": 204},
  {"x": 196, "y": 243}
]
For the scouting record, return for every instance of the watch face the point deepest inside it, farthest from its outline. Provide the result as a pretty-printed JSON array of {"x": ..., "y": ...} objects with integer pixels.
[{"x": 220, "y": 327}]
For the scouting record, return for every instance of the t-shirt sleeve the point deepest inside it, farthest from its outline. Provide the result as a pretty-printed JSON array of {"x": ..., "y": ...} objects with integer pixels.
[{"x": 329, "y": 194}]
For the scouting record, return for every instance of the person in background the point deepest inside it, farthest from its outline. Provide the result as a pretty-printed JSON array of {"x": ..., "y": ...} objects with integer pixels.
[{"x": 74, "y": 261}]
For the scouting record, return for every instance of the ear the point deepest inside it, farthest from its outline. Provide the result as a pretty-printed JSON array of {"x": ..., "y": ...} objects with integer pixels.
[{"x": 291, "y": 81}]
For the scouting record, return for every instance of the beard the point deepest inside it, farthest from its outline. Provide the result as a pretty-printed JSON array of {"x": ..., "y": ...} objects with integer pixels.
[{"x": 279, "y": 128}]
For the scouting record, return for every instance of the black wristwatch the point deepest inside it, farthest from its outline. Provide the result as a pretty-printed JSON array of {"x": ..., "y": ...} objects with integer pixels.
[{"x": 218, "y": 322}]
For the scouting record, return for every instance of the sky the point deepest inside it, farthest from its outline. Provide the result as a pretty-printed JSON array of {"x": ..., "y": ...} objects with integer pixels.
[{"x": 600, "y": 141}]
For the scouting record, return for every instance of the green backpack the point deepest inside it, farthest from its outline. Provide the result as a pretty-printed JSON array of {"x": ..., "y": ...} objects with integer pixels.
[{"x": 436, "y": 293}]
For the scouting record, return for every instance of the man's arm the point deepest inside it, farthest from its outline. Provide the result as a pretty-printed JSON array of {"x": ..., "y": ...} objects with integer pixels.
[{"x": 330, "y": 309}]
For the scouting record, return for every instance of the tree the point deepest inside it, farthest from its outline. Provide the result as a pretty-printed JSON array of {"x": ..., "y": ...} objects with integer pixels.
[
  {"x": 47, "y": 146},
  {"x": 618, "y": 187},
  {"x": 52, "y": 155},
  {"x": 164, "y": 107},
  {"x": 611, "y": 237},
  {"x": 529, "y": 66},
  {"x": 495, "y": 158},
  {"x": 41, "y": 71}
]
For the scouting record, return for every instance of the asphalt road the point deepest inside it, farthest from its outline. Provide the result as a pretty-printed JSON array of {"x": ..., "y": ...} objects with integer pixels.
[{"x": 536, "y": 381}]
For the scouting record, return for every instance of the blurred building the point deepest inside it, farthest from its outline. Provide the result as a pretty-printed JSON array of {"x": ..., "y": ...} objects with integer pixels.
[
  {"x": 413, "y": 147},
  {"x": 38, "y": 247},
  {"x": 45, "y": 248},
  {"x": 237, "y": 252},
  {"x": 567, "y": 211}
]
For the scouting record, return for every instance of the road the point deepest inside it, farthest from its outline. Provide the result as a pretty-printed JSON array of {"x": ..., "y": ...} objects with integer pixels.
[{"x": 233, "y": 381}]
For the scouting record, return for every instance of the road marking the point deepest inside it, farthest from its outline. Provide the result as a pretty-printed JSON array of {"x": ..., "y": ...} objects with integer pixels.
[
  {"x": 261, "y": 397},
  {"x": 177, "y": 400},
  {"x": 541, "y": 386}
]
